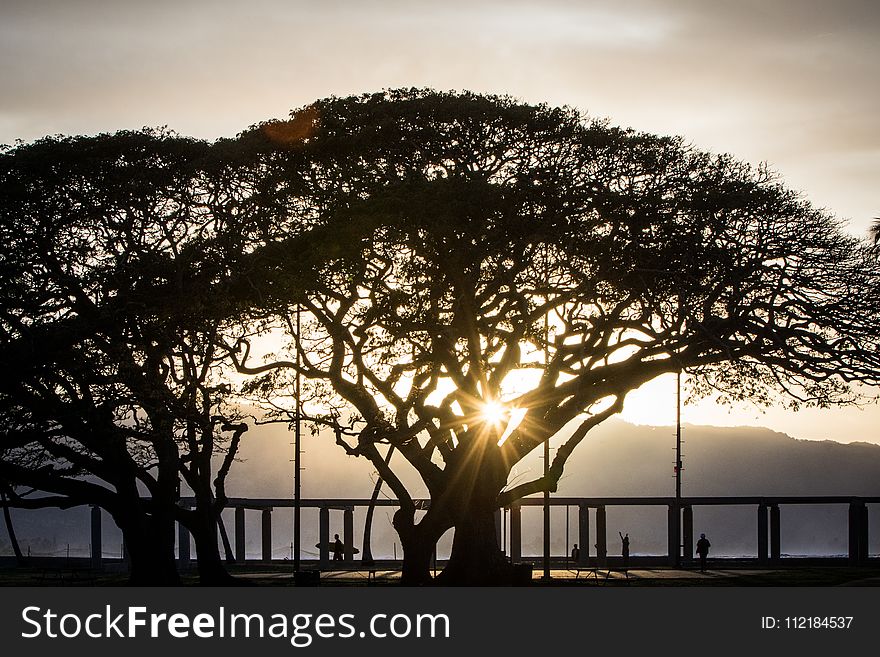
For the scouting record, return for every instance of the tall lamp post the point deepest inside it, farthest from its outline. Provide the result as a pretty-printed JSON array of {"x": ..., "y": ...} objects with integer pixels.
[
  {"x": 546, "y": 466},
  {"x": 297, "y": 436},
  {"x": 678, "y": 466},
  {"x": 678, "y": 438}
]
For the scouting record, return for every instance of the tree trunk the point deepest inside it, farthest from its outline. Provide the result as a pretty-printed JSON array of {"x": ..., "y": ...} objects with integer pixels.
[
  {"x": 204, "y": 528},
  {"x": 418, "y": 542},
  {"x": 418, "y": 548},
  {"x": 367, "y": 551},
  {"x": 476, "y": 558},
  {"x": 224, "y": 536},
  {"x": 366, "y": 548},
  {"x": 150, "y": 543},
  {"x": 10, "y": 529}
]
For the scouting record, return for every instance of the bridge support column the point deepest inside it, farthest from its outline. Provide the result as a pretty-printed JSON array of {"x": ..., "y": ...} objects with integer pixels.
[
  {"x": 673, "y": 535},
  {"x": 348, "y": 533},
  {"x": 775, "y": 544},
  {"x": 96, "y": 552},
  {"x": 324, "y": 537},
  {"x": 858, "y": 533},
  {"x": 239, "y": 534},
  {"x": 763, "y": 536},
  {"x": 583, "y": 535},
  {"x": 267, "y": 534},
  {"x": 515, "y": 532},
  {"x": 688, "y": 533},
  {"x": 601, "y": 537},
  {"x": 498, "y": 523},
  {"x": 763, "y": 539}
]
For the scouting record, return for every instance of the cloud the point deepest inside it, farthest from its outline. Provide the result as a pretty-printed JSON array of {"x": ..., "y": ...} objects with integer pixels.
[{"x": 792, "y": 82}]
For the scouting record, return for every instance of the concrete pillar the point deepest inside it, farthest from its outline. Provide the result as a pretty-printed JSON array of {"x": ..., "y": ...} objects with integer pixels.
[
  {"x": 583, "y": 534},
  {"x": 673, "y": 535},
  {"x": 96, "y": 554},
  {"x": 348, "y": 533},
  {"x": 267, "y": 534},
  {"x": 324, "y": 536},
  {"x": 601, "y": 538},
  {"x": 688, "y": 533},
  {"x": 499, "y": 520},
  {"x": 858, "y": 533},
  {"x": 515, "y": 532},
  {"x": 763, "y": 541},
  {"x": 239, "y": 534},
  {"x": 854, "y": 521},
  {"x": 775, "y": 544},
  {"x": 183, "y": 551}
]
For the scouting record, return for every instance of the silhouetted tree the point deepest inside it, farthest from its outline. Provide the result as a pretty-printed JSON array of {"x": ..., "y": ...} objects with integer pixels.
[
  {"x": 110, "y": 391},
  {"x": 477, "y": 277},
  {"x": 514, "y": 271}
]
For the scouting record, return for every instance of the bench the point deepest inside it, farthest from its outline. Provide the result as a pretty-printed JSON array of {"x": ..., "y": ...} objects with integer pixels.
[
  {"x": 595, "y": 571},
  {"x": 589, "y": 570}
]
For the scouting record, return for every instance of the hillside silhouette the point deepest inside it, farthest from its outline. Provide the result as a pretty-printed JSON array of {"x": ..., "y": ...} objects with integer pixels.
[
  {"x": 624, "y": 459},
  {"x": 618, "y": 459}
]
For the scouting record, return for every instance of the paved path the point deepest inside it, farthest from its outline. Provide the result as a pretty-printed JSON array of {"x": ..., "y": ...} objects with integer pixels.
[
  {"x": 282, "y": 575},
  {"x": 586, "y": 576}
]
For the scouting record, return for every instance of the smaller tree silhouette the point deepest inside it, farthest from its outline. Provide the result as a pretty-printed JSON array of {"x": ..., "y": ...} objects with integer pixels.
[{"x": 111, "y": 392}]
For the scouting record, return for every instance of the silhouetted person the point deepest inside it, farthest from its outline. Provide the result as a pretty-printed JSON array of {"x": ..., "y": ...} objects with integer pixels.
[
  {"x": 624, "y": 548},
  {"x": 703, "y": 546},
  {"x": 575, "y": 553},
  {"x": 338, "y": 548}
]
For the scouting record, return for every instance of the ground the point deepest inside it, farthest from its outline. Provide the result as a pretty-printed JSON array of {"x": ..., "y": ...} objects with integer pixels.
[{"x": 281, "y": 575}]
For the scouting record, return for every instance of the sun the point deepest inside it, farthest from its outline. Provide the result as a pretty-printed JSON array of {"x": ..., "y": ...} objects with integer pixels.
[
  {"x": 502, "y": 416},
  {"x": 495, "y": 413}
]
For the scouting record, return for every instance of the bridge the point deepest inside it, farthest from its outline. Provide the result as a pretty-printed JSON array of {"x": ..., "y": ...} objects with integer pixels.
[
  {"x": 679, "y": 514},
  {"x": 680, "y": 534}
]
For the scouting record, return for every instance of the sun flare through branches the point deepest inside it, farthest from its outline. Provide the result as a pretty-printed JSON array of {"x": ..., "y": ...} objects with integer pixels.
[{"x": 495, "y": 413}]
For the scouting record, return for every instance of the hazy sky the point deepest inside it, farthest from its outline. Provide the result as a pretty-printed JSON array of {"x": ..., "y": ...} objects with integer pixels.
[{"x": 793, "y": 83}]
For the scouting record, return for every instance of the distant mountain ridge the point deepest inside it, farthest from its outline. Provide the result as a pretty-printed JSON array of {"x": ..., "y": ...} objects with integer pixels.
[
  {"x": 616, "y": 459},
  {"x": 624, "y": 459}
]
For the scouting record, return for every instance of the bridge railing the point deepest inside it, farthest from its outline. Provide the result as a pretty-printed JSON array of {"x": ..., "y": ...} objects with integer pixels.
[{"x": 680, "y": 524}]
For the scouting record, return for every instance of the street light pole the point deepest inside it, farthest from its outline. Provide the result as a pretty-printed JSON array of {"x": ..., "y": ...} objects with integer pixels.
[
  {"x": 678, "y": 468},
  {"x": 546, "y": 465},
  {"x": 678, "y": 438},
  {"x": 297, "y": 436}
]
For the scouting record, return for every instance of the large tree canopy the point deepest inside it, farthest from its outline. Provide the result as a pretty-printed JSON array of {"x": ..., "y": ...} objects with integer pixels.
[
  {"x": 474, "y": 276},
  {"x": 520, "y": 269}
]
